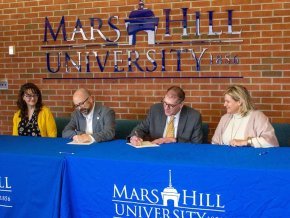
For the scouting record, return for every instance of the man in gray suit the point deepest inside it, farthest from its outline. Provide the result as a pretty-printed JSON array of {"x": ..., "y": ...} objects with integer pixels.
[
  {"x": 186, "y": 121},
  {"x": 89, "y": 122}
]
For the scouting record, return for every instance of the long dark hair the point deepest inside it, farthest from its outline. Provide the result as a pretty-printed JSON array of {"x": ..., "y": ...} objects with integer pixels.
[{"x": 22, "y": 104}]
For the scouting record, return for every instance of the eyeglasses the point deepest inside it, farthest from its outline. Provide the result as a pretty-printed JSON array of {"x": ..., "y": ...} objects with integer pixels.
[
  {"x": 76, "y": 106},
  {"x": 171, "y": 106},
  {"x": 31, "y": 96}
]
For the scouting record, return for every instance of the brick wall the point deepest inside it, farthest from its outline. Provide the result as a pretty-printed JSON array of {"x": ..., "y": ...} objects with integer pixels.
[{"x": 263, "y": 51}]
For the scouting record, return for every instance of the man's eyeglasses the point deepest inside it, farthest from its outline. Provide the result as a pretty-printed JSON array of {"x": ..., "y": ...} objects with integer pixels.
[
  {"x": 170, "y": 106},
  {"x": 31, "y": 96},
  {"x": 76, "y": 106}
]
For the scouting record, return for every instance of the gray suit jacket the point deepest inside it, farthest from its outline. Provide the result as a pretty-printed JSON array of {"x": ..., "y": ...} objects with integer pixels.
[
  {"x": 103, "y": 124},
  {"x": 189, "y": 125}
]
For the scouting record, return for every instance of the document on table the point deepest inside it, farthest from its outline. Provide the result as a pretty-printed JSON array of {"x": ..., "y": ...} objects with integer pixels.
[
  {"x": 144, "y": 144},
  {"x": 79, "y": 143}
]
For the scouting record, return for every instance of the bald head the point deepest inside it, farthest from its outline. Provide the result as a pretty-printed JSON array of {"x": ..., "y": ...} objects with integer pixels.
[
  {"x": 81, "y": 93},
  {"x": 83, "y": 101}
]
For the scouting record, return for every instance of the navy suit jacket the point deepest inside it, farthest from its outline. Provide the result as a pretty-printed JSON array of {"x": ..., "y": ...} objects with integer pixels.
[
  {"x": 103, "y": 124},
  {"x": 189, "y": 125}
]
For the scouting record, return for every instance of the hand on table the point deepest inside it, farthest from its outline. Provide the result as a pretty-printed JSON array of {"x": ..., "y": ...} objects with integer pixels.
[
  {"x": 238, "y": 142},
  {"x": 163, "y": 141},
  {"x": 82, "y": 138},
  {"x": 136, "y": 141}
]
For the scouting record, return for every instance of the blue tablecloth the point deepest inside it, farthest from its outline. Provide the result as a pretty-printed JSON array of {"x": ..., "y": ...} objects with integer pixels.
[
  {"x": 30, "y": 177},
  {"x": 113, "y": 179},
  {"x": 44, "y": 177}
]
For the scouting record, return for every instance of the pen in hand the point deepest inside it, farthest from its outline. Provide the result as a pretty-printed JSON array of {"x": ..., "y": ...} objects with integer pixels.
[{"x": 138, "y": 138}]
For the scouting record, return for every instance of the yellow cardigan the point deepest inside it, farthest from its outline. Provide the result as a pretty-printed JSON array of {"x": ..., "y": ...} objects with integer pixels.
[{"x": 46, "y": 123}]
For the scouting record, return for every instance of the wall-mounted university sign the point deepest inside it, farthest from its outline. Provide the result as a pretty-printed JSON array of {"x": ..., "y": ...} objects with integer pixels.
[
  {"x": 169, "y": 202},
  {"x": 111, "y": 55}
]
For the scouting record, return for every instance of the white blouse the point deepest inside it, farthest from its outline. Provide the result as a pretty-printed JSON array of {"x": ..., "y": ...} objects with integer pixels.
[{"x": 237, "y": 128}]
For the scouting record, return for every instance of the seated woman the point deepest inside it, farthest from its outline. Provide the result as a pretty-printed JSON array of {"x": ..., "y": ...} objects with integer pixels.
[
  {"x": 32, "y": 118},
  {"x": 242, "y": 125}
]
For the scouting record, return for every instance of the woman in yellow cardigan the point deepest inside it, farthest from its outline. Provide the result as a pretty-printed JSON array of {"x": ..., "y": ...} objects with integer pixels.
[{"x": 32, "y": 118}]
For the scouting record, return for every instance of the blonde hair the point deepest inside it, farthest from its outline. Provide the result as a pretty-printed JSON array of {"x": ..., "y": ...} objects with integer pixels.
[{"x": 241, "y": 94}]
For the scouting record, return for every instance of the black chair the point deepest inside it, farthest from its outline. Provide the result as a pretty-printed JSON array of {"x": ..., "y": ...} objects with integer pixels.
[
  {"x": 124, "y": 128},
  {"x": 205, "y": 133},
  {"x": 61, "y": 122},
  {"x": 282, "y": 131}
]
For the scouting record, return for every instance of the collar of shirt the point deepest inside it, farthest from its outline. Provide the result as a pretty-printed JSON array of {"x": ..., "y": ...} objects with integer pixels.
[
  {"x": 237, "y": 116},
  {"x": 176, "y": 120},
  {"x": 89, "y": 122},
  {"x": 91, "y": 114}
]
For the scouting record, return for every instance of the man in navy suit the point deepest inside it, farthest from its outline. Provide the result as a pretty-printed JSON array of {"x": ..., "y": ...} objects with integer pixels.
[
  {"x": 187, "y": 121},
  {"x": 89, "y": 122}
]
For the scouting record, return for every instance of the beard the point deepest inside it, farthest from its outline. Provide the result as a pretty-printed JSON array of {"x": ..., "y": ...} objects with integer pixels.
[{"x": 85, "y": 111}]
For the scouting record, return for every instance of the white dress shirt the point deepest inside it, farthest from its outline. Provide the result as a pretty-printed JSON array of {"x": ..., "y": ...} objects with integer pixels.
[
  {"x": 176, "y": 121},
  {"x": 89, "y": 123}
]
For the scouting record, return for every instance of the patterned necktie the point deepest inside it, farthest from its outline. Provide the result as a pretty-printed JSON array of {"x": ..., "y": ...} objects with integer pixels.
[{"x": 170, "y": 128}]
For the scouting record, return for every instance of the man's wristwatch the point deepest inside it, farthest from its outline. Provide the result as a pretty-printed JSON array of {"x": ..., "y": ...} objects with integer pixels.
[{"x": 249, "y": 141}]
